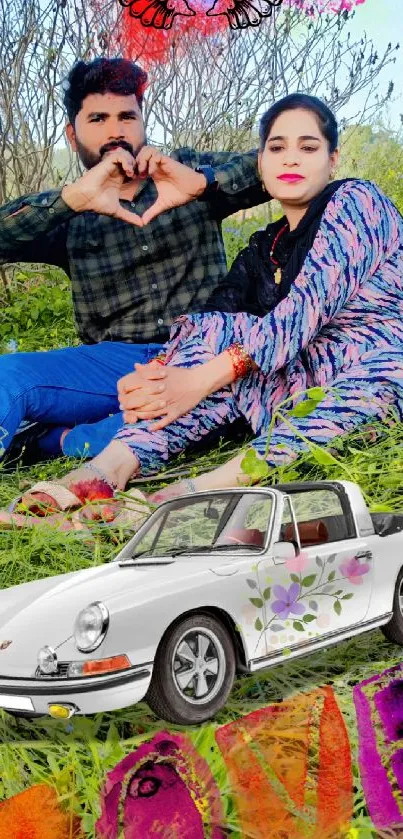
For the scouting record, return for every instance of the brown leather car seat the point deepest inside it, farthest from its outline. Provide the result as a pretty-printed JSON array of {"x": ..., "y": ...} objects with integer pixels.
[
  {"x": 245, "y": 536},
  {"x": 310, "y": 533}
]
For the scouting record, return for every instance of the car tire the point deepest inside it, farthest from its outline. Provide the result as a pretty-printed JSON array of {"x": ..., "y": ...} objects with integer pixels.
[
  {"x": 200, "y": 645},
  {"x": 393, "y": 630}
]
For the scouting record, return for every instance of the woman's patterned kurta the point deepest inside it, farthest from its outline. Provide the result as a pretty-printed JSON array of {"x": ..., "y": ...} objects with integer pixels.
[{"x": 340, "y": 326}]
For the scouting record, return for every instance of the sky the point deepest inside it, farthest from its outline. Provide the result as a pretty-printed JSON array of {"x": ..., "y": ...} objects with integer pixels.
[{"x": 382, "y": 20}]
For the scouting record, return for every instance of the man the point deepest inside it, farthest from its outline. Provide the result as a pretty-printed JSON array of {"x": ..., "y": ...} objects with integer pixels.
[{"x": 138, "y": 255}]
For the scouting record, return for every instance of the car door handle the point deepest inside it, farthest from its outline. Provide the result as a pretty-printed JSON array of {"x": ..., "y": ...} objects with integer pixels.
[{"x": 364, "y": 555}]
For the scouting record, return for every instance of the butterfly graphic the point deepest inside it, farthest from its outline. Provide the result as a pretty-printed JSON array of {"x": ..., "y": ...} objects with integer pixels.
[
  {"x": 243, "y": 13},
  {"x": 157, "y": 13}
]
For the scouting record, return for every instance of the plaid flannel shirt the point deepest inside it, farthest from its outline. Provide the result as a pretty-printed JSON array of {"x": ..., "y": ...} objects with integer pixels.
[{"x": 129, "y": 283}]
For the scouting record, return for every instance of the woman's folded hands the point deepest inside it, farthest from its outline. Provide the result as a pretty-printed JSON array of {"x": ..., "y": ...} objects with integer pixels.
[{"x": 168, "y": 392}]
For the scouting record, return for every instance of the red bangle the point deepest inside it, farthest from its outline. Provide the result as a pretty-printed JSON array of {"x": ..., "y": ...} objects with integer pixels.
[
  {"x": 160, "y": 359},
  {"x": 241, "y": 361}
]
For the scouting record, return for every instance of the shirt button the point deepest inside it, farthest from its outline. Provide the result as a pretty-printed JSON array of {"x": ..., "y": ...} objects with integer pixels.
[
  {"x": 44, "y": 201},
  {"x": 133, "y": 204},
  {"x": 160, "y": 321},
  {"x": 234, "y": 186},
  {"x": 144, "y": 247},
  {"x": 51, "y": 210},
  {"x": 154, "y": 285}
]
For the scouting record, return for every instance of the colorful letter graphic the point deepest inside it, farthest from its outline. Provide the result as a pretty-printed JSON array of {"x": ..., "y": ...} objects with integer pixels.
[
  {"x": 379, "y": 708},
  {"x": 290, "y": 768},
  {"x": 163, "y": 788}
]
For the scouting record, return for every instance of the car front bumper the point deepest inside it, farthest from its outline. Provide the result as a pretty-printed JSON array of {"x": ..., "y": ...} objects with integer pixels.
[{"x": 87, "y": 695}]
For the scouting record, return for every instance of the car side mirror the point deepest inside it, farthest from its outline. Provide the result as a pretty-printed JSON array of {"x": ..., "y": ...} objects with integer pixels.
[{"x": 283, "y": 551}]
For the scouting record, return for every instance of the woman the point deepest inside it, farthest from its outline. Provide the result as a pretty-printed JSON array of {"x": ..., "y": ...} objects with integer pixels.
[{"x": 322, "y": 293}]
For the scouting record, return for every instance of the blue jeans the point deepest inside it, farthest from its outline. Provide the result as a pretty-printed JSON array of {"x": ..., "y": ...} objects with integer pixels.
[{"x": 72, "y": 388}]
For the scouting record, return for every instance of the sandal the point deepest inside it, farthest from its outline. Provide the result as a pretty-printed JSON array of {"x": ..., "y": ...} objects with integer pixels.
[
  {"x": 47, "y": 497},
  {"x": 128, "y": 512}
]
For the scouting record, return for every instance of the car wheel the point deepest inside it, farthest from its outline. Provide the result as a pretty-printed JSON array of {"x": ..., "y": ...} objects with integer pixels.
[
  {"x": 194, "y": 671},
  {"x": 393, "y": 630}
]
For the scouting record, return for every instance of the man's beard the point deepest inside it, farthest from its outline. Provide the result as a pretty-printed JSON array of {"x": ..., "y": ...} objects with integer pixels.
[{"x": 89, "y": 159}]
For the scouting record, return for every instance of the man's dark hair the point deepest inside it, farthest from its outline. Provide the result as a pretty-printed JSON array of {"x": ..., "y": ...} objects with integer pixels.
[
  {"x": 103, "y": 75},
  {"x": 326, "y": 117}
]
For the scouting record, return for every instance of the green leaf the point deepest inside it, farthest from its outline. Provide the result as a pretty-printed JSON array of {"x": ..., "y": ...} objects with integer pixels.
[
  {"x": 294, "y": 578},
  {"x": 303, "y": 409},
  {"x": 316, "y": 393},
  {"x": 322, "y": 456},
  {"x": 331, "y": 576},
  {"x": 256, "y": 602},
  {"x": 309, "y": 618},
  {"x": 253, "y": 466},
  {"x": 286, "y": 651},
  {"x": 251, "y": 583},
  {"x": 337, "y": 607},
  {"x": 258, "y": 625},
  {"x": 309, "y": 580},
  {"x": 347, "y": 596},
  {"x": 298, "y": 626},
  {"x": 266, "y": 593}
]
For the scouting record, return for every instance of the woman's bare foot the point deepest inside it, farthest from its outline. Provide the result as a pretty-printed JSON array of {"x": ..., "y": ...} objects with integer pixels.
[{"x": 228, "y": 475}]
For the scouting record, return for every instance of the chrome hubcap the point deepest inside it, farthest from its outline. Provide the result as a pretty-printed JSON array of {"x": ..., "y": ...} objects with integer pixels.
[
  {"x": 198, "y": 665},
  {"x": 400, "y": 598}
]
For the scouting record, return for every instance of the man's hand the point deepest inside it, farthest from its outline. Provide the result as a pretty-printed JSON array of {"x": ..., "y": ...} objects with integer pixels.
[
  {"x": 99, "y": 188},
  {"x": 176, "y": 183},
  {"x": 157, "y": 391}
]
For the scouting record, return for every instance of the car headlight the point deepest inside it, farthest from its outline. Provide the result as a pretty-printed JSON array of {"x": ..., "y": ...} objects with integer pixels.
[
  {"x": 47, "y": 661},
  {"x": 91, "y": 627}
]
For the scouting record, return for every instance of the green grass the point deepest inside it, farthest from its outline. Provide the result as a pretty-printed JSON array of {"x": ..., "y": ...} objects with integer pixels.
[{"x": 75, "y": 757}]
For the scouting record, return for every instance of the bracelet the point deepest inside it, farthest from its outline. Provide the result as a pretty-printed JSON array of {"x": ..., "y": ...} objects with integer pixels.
[
  {"x": 102, "y": 475},
  {"x": 160, "y": 358},
  {"x": 241, "y": 361}
]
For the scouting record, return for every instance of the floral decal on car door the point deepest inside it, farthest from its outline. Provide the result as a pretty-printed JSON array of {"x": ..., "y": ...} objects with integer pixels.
[{"x": 301, "y": 603}]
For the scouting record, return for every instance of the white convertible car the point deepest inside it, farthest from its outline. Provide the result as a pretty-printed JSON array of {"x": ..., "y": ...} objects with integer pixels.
[{"x": 212, "y": 583}]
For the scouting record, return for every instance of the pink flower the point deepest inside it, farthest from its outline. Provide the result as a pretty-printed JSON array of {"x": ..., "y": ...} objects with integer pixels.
[
  {"x": 323, "y": 620},
  {"x": 312, "y": 7},
  {"x": 354, "y": 570},
  {"x": 297, "y": 563}
]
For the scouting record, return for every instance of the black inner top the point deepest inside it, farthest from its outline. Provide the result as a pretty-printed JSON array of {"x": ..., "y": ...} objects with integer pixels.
[{"x": 250, "y": 283}]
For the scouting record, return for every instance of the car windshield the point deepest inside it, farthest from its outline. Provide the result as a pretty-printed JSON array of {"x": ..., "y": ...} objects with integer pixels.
[{"x": 205, "y": 523}]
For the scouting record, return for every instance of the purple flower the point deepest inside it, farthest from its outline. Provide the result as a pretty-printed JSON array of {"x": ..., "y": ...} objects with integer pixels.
[{"x": 286, "y": 601}]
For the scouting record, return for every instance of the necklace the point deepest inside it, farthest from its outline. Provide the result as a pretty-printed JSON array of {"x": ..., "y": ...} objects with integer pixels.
[{"x": 277, "y": 273}]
